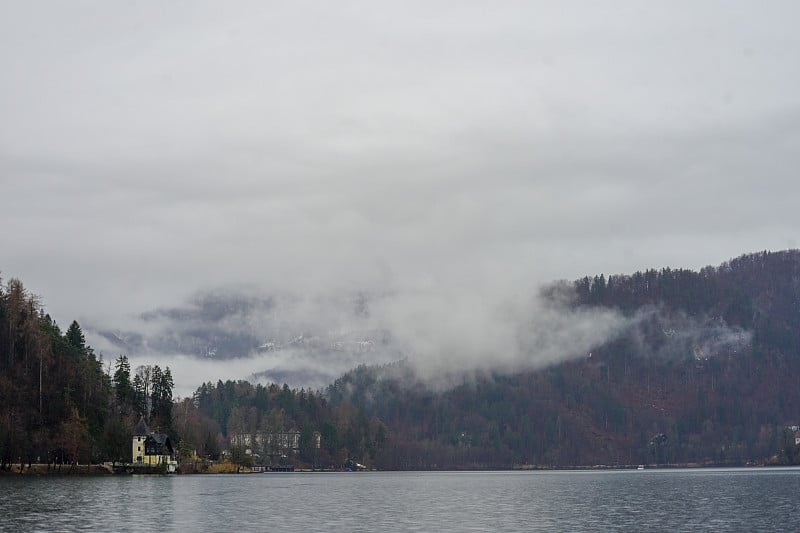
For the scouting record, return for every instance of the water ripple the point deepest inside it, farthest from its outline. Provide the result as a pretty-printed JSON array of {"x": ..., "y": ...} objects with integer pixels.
[{"x": 675, "y": 500}]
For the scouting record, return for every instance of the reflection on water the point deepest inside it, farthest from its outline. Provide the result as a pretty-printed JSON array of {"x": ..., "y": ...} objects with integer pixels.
[{"x": 682, "y": 500}]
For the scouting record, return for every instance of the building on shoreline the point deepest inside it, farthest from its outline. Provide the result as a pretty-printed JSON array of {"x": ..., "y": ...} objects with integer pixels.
[{"x": 152, "y": 449}]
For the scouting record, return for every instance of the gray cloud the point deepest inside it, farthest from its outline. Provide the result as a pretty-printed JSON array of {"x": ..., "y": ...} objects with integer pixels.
[
  {"x": 444, "y": 153},
  {"x": 444, "y": 335}
]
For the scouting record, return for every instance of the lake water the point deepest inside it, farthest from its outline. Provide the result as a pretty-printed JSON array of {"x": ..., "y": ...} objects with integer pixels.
[{"x": 649, "y": 500}]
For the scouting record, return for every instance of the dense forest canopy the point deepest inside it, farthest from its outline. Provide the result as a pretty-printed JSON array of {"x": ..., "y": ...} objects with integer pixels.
[
  {"x": 58, "y": 405},
  {"x": 707, "y": 373},
  {"x": 53, "y": 392}
]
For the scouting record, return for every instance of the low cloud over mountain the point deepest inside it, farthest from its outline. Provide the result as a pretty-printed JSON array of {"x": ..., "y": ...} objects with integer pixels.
[{"x": 309, "y": 341}]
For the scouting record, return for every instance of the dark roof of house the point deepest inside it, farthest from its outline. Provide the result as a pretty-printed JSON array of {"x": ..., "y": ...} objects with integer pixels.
[
  {"x": 160, "y": 438},
  {"x": 141, "y": 427},
  {"x": 163, "y": 442}
]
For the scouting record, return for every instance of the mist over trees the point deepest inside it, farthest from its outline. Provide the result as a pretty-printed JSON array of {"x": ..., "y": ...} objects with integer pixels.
[
  {"x": 60, "y": 406},
  {"x": 706, "y": 373}
]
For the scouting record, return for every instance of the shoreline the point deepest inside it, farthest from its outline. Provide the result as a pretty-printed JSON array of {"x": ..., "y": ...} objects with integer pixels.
[{"x": 106, "y": 469}]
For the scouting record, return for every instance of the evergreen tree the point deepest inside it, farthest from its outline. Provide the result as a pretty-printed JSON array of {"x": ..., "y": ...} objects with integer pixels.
[
  {"x": 75, "y": 336},
  {"x": 122, "y": 385},
  {"x": 139, "y": 395}
]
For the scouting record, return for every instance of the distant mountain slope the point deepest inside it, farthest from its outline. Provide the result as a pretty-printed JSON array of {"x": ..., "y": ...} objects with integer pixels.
[
  {"x": 707, "y": 374},
  {"x": 756, "y": 292},
  {"x": 300, "y": 342},
  {"x": 229, "y": 324},
  {"x": 61, "y": 406}
]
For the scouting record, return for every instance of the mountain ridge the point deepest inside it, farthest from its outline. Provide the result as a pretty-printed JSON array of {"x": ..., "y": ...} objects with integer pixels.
[{"x": 644, "y": 397}]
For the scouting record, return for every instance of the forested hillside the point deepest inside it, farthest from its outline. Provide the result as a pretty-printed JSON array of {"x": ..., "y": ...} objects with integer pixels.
[
  {"x": 707, "y": 372},
  {"x": 54, "y": 397},
  {"x": 59, "y": 405},
  {"x": 759, "y": 293},
  {"x": 240, "y": 408}
]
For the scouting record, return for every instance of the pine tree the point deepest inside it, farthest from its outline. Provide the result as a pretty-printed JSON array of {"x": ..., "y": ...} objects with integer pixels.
[
  {"x": 75, "y": 336},
  {"x": 122, "y": 385}
]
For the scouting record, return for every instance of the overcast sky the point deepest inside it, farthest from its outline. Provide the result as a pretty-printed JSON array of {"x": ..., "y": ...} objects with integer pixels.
[{"x": 149, "y": 149}]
